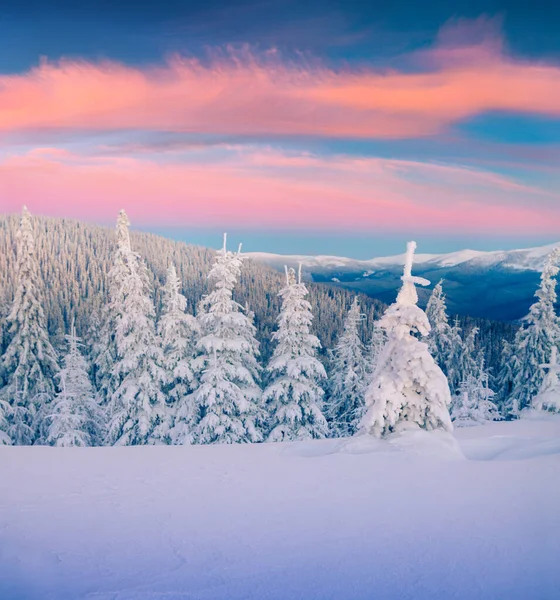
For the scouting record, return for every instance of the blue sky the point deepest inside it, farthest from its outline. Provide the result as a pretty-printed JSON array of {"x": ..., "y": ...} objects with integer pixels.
[{"x": 307, "y": 127}]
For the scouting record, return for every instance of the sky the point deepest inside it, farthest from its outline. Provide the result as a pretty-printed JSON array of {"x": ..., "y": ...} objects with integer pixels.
[{"x": 331, "y": 127}]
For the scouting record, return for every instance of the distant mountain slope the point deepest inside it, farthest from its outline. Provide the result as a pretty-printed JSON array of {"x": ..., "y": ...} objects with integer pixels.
[
  {"x": 526, "y": 259},
  {"x": 496, "y": 285}
]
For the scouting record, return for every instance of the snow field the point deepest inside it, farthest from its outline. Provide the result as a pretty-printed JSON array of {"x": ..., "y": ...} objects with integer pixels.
[{"x": 324, "y": 519}]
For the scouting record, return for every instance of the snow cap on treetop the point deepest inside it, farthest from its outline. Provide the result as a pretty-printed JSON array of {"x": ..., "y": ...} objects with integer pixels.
[
  {"x": 290, "y": 275},
  {"x": 407, "y": 294},
  {"x": 224, "y": 246},
  {"x": 25, "y": 215},
  {"x": 122, "y": 229}
]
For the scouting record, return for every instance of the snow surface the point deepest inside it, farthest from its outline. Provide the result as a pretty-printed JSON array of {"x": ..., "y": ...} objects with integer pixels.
[{"x": 325, "y": 519}]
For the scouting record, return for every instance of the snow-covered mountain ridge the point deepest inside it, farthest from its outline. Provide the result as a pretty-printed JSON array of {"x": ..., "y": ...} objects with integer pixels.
[
  {"x": 531, "y": 259},
  {"x": 497, "y": 285}
]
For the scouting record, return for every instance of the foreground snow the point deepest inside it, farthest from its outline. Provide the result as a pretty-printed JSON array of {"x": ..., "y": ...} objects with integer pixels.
[{"x": 330, "y": 519}]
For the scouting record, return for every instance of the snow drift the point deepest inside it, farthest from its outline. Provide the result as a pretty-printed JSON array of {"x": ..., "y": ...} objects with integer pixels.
[{"x": 412, "y": 518}]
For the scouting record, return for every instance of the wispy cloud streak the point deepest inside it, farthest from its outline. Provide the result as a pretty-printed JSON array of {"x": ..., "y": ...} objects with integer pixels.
[
  {"x": 267, "y": 188},
  {"x": 242, "y": 93}
]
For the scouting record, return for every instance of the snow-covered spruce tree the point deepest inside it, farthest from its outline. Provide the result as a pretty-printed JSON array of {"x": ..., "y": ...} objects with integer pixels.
[
  {"x": 462, "y": 360},
  {"x": 347, "y": 377},
  {"x": 474, "y": 405},
  {"x": 548, "y": 398},
  {"x": 178, "y": 332},
  {"x": 294, "y": 394},
  {"x": 505, "y": 378},
  {"x": 75, "y": 418},
  {"x": 439, "y": 338},
  {"x": 535, "y": 339},
  {"x": 136, "y": 405},
  {"x": 453, "y": 369},
  {"x": 102, "y": 351},
  {"x": 5, "y": 439},
  {"x": 408, "y": 389},
  {"x": 29, "y": 363},
  {"x": 227, "y": 401},
  {"x": 373, "y": 350}
]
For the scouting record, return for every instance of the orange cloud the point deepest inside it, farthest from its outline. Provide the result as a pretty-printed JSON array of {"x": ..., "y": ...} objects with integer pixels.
[
  {"x": 270, "y": 189},
  {"x": 246, "y": 95}
]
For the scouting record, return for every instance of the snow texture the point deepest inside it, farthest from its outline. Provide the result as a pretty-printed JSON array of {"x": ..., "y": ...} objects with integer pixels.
[{"x": 359, "y": 519}]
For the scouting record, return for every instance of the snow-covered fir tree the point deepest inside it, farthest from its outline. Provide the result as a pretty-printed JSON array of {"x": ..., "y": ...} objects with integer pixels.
[
  {"x": 373, "y": 350},
  {"x": 536, "y": 337},
  {"x": 75, "y": 418},
  {"x": 505, "y": 378},
  {"x": 294, "y": 395},
  {"x": 136, "y": 405},
  {"x": 178, "y": 331},
  {"x": 227, "y": 401},
  {"x": 347, "y": 377},
  {"x": 440, "y": 336},
  {"x": 548, "y": 398},
  {"x": 461, "y": 362},
  {"x": 103, "y": 349},
  {"x": 409, "y": 389},
  {"x": 474, "y": 403},
  {"x": 5, "y": 439},
  {"x": 29, "y": 363}
]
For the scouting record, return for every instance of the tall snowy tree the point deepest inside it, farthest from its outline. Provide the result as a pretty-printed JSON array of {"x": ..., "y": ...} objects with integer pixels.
[
  {"x": 75, "y": 418},
  {"x": 227, "y": 401},
  {"x": 5, "y": 439},
  {"x": 373, "y": 350},
  {"x": 29, "y": 363},
  {"x": 136, "y": 404},
  {"x": 103, "y": 350},
  {"x": 178, "y": 332},
  {"x": 294, "y": 395},
  {"x": 535, "y": 338},
  {"x": 408, "y": 389},
  {"x": 461, "y": 361},
  {"x": 506, "y": 377},
  {"x": 347, "y": 377},
  {"x": 440, "y": 336},
  {"x": 548, "y": 398},
  {"x": 474, "y": 404}
]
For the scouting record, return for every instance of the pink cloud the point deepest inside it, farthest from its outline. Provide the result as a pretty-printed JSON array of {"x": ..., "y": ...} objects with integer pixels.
[
  {"x": 270, "y": 189},
  {"x": 263, "y": 95}
]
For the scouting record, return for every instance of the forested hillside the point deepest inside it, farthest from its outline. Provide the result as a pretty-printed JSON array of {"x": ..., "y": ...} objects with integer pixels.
[{"x": 75, "y": 259}]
